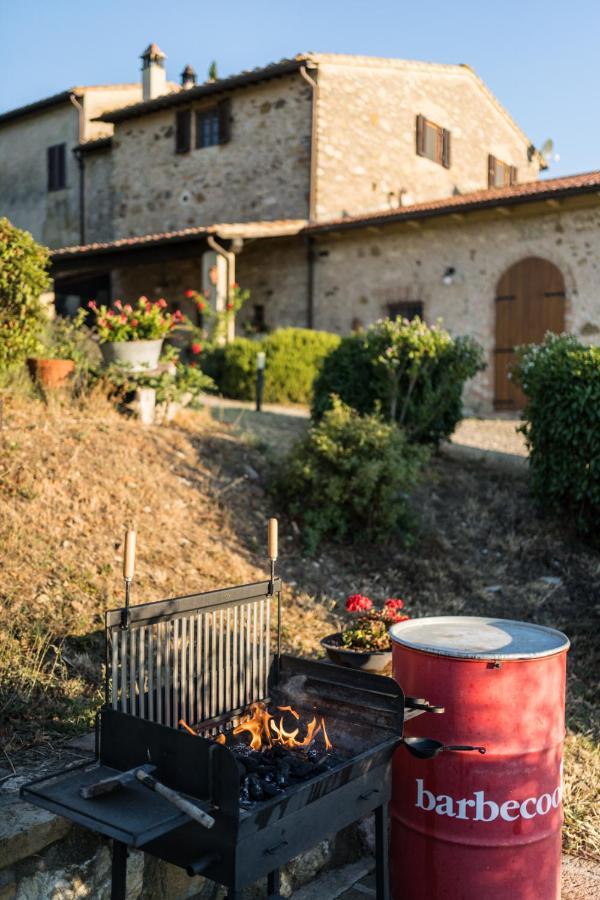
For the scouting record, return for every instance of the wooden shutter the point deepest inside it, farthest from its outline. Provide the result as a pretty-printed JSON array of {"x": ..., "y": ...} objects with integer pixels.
[
  {"x": 421, "y": 135},
  {"x": 445, "y": 148},
  {"x": 57, "y": 173},
  {"x": 183, "y": 131},
  {"x": 224, "y": 111},
  {"x": 491, "y": 170},
  {"x": 513, "y": 175},
  {"x": 61, "y": 164},
  {"x": 50, "y": 155}
]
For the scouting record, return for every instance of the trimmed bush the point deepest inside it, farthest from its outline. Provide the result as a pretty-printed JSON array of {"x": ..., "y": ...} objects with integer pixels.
[
  {"x": 415, "y": 372},
  {"x": 561, "y": 379},
  {"x": 348, "y": 478},
  {"x": 23, "y": 277},
  {"x": 294, "y": 357}
]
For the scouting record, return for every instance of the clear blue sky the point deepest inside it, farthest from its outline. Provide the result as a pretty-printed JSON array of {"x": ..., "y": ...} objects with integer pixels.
[{"x": 541, "y": 59}]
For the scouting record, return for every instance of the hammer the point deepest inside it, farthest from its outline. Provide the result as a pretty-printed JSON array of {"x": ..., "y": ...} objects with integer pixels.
[{"x": 143, "y": 774}]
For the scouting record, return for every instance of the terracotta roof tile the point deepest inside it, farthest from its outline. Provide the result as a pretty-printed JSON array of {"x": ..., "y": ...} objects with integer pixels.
[
  {"x": 491, "y": 197},
  {"x": 226, "y": 230}
]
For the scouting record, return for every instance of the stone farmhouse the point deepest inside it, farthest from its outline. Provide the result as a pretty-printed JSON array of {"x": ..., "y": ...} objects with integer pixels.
[{"x": 338, "y": 189}]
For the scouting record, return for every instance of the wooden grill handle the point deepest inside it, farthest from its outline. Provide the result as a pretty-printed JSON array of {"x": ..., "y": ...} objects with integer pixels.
[
  {"x": 129, "y": 557},
  {"x": 194, "y": 812},
  {"x": 272, "y": 539}
]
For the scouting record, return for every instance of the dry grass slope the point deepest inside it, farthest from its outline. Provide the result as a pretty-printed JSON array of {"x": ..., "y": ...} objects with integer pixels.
[{"x": 72, "y": 478}]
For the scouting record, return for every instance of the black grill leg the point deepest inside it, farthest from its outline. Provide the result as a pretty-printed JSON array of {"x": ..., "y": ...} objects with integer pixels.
[
  {"x": 119, "y": 871},
  {"x": 273, "y": 885},
  {"x": 382, "y": 874}
]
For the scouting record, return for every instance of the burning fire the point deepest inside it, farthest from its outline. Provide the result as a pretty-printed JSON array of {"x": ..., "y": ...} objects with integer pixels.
[{"x": 264, "y": 729}]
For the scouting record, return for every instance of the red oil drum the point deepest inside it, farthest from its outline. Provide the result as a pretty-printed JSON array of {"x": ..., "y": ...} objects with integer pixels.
[{"x": 467, "y": 826}]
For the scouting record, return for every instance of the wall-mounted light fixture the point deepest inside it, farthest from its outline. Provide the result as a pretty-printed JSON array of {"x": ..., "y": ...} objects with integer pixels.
[{"x": 449, "y": 275}]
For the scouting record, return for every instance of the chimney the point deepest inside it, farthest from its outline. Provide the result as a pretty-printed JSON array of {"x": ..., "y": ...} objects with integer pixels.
[
  {"x": 188, "y": 77},
  {"x": 154, "y": 77}
]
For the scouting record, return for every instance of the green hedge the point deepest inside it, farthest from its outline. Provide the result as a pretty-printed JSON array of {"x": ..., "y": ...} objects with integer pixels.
[
  {"x": 349, "y": 477},
  {"x": 561, "y": 380},
  {"x": 294, "y": 357},
  {"x": 413, "y": 372},
  {"x": 23, "y": 277}
]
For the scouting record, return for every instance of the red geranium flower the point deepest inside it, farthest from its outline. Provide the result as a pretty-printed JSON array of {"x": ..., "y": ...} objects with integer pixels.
[
  {"x": 162, "y": 303},
  {"x": 201, "y": 305},
  {"x": 190, "y": 294},
  {"x": 358, "y": 603},
  {"x": 196, "y": 348},
  {"x": 134, "y": 323},
  {"x": 392, "y": 604},
  {"x": 395, "y": 617},
  {"x": 230, "y": 306},
  {"x": 92, "y": 304}
]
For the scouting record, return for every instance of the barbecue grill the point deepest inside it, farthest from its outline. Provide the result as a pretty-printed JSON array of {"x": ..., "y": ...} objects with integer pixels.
[{"x": 201, "y": 664}]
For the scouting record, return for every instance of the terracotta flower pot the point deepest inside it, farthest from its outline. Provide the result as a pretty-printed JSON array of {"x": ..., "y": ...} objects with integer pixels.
[
  {"x": 137, "y": 355},
  {"x": 377, "y": 661},
  {"x": 50, "y": 373}
]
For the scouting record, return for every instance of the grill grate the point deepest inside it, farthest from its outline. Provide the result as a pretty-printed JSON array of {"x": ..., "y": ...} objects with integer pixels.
[{"x": 197, "y": 658}]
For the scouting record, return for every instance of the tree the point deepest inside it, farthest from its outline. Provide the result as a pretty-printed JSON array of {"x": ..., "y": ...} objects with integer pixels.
[{"x": 212, "y": 71}]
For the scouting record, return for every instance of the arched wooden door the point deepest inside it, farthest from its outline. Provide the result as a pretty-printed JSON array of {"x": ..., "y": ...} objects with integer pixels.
[{"x": 530, "y": 300}]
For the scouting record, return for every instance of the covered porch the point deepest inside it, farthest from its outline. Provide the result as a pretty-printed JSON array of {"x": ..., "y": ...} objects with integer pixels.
[{"x": 261, "y": 256}]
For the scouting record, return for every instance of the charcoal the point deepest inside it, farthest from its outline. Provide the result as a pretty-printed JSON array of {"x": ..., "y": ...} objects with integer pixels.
[
  {"x": 270, "y": 789},
  {"x": 302, "y": 769},
  {"x": 255, "y": 788}
]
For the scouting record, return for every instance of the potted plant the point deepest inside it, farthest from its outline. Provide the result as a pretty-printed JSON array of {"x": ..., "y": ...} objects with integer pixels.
[
  {"x": 365, "y": 644},
  {"x": 60, "y": 350},
  {"x": 132, "y": 335}
]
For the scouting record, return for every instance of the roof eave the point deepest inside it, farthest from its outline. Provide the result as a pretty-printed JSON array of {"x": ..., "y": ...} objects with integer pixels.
[
  {"x": 210, "y": 88},
  {"x": 454, "y": 209}
]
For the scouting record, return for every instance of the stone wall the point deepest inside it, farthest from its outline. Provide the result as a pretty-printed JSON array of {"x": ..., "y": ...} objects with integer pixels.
[
  {"x": 365, "y": 270},
  {"x": 261, "y": 173},
  {"x": 367, "y": 156},
  {"x": 276, "y": 273},
  {"x": 98, "y": 196},
  {"x": 52, "y": 217}
]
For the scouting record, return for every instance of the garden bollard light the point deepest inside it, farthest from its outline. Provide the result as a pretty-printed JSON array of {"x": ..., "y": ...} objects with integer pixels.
[{"x": 261, "y": 360}]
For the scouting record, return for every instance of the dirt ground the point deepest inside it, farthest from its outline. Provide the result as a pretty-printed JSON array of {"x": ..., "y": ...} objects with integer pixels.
[{"x": 72, "y": 478}]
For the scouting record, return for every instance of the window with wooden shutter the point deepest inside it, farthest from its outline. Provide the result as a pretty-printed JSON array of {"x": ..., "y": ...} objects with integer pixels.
[
  {"x": 57, "y": 167},
  {"x": 500, "y": 174},
  {"x": 224, "y": 109},
  {"x": 183, "y": 131},
  {"x": 213, "y": 125},
  {"x": 433, "y": 142}
]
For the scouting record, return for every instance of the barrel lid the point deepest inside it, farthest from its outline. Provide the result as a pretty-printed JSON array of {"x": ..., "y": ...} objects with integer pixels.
[{"x": 477, "y": 637}]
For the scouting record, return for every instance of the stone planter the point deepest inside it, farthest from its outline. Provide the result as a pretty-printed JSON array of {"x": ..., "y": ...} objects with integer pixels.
[
  {"x": 50, "y": 373},
  {"x": 136, "y": 355},
  {"x": 377, "y": 661}
]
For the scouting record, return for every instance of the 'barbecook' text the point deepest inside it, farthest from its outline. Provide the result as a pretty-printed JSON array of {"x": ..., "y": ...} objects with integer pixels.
[{"x": 481, "y": 810}]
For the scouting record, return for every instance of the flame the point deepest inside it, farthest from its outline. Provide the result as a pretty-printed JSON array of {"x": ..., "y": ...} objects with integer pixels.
[{"x": 264, "y": 729}]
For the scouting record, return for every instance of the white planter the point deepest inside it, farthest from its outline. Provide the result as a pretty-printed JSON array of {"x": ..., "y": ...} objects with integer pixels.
[{"x": 136, "y": 355}]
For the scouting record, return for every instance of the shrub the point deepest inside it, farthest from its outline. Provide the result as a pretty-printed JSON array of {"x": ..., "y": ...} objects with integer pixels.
[
  {"x": 348, "y": 478},
  {"x": 23, "y": 277},
  {"x": 414, "y": 371},
  {"x": 294, "y": 357},
  {"x": 561, "y": 379}
]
